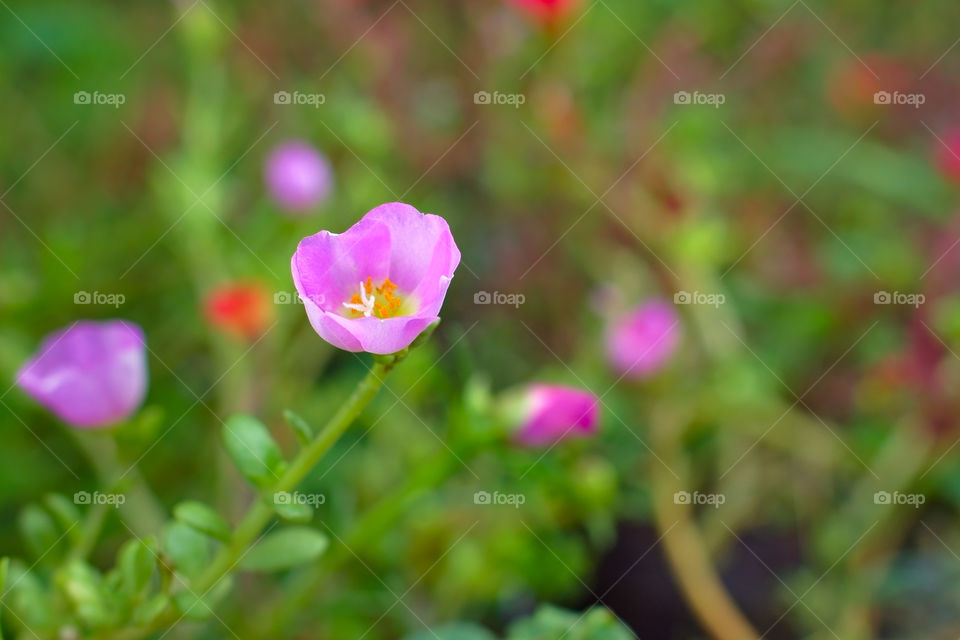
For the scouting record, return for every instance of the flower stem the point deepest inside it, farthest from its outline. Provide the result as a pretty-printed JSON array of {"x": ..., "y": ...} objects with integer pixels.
[
  {"x": 260, "y": 513},
  {"x": 142, "y": 512}
]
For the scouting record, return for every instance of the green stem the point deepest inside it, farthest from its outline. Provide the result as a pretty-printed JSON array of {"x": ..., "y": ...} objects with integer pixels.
[
  {"x": 260, "y": 513},
  {"x": 142, "y": 512}
]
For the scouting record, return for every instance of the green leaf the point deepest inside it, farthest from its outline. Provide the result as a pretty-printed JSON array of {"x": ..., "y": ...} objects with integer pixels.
[
  {"x": 29, "y": 598},
  {"x": 38, "y": 530},
  {"x": 285, "y": 549},
  {"x": 254, "y": 452},
  {"x": 453, "y": 631},
  {"x": 200, "y": 607},
  {"x": 285, "y": 507},
  {"x": 300, "y": 426},
  {"x": 66, "y": 513},
  {"x": 148, "y": 610},
  {"x": 203, "y": 519},
  {"x": 4, "y": 569},
  {"x": 84, "y": 590},
  {"x": 552, "y": 622},
  {"x": 187, "y": 548},
  {"x": 136, "y": 561}
]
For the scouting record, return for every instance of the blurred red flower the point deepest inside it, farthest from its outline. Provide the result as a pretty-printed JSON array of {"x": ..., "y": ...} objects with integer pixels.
[
  {"x": 946, "y": 153},
  {"x": 240, "y": 309}
]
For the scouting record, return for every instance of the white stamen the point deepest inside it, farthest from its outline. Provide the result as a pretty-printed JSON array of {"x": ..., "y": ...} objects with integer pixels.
[{"x": 366, "y": 308}]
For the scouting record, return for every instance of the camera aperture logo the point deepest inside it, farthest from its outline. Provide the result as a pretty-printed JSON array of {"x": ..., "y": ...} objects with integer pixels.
[
  {"x": 697, "y": 97},
  {"x": 85, "y": 497},
  {"x": 96, "y": 297},
  {"x": 485, "y": 497},
  {"x": 112, "y": 99},
  {"x": 497, "y": 297},
  {"x": 512, "y": 99},
  {"x": 310, "y": 499},
  {"x": 712, "y": 499},
  {"x": 312, "y": 99},
  {"x": 912, "y": 499},
  {"x": 696, "y": 297},
  {"x": 896, "y": 297}
]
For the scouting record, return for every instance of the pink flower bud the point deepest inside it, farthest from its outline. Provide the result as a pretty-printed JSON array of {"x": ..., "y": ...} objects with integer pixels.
[
  {"x": 91, "y": 374},
  {"x": 550, "y": 413},
  {"x": 640, "y": 342},
  {"x": 298, "y": 176}
]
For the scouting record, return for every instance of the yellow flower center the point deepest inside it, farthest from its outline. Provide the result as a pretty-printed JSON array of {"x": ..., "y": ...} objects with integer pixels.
[{"x": 381, "y": 302}]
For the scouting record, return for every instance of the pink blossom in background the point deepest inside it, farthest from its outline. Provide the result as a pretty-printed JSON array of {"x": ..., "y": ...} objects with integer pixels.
[
  {"x": 298, "y": 176},
  {"x": 91, "y": 374},
  {"x": 379, "y": 284},
  {"x": 640, "y": 342},
  {"x": 946, "y": 153},
  {"x": 551, "y": 413},
  {"x": 547, "y": 10}
]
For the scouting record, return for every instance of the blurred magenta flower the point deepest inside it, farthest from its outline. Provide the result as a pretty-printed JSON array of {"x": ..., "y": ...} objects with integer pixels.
[
  {"x": 91, "y": 374},
  {"x": 379, "y": 284},
  {"x": 546, "y": 10},
  {"x": 241, "y": 309},
  {"x": 947, "y": 154},
  {"x": 550, "y": 413},
  {"x": 641, "y": 341},
  {"x": 298, "y": 176}
]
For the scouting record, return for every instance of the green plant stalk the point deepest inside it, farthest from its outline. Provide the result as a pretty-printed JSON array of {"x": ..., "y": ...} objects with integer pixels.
[
  {"x": 387, "y": 510},
  {"x": 260, "y": 513},
  {"x": 142, "y": 512}
]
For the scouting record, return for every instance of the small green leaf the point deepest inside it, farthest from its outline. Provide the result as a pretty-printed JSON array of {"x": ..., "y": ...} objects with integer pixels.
[
  {"x": 84, "y": 590},
  {"x": 136, "y": 561},
  {"x": 203, "y": 519},
  {"x": 147, "y": 611},
  {"x": 289, "y": 509},
  {"x": 187, "y": 548},
  {"x": 254, "y": 452},
  {"x": 285, "y": 549},
  {"x": 300, "y": 426},
  {"x": 197, "y": 607},
  {"x": 38, "y": 530},
  {"x": 66, "y": 513},
  {"x": 453, "y": 631}
]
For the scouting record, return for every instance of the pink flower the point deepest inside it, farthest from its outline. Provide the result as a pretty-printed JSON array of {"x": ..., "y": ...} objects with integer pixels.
[
  {"x": 947, "y": 154},
  {"x": 641, "y": 341},
  {"x": 379, "y": 284},
  {"x": 298, "y": 176},
  {"x": 91, "y": 374},
  {"x": 550, "y": 413},
  {"x": 547, "y": 10}
]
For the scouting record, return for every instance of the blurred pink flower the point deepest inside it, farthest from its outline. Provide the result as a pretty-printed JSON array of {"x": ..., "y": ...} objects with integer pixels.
[
  {"x": 550, "y": 413},
  {"x": 547, "y": 10},
  {"x": 298, "y": 176},
  {"x": 640, "y": 342},
  {"x": 91, "y": 374},
  {"x": 947, "y": 154},
  {"x": 379, "y": 284}
]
